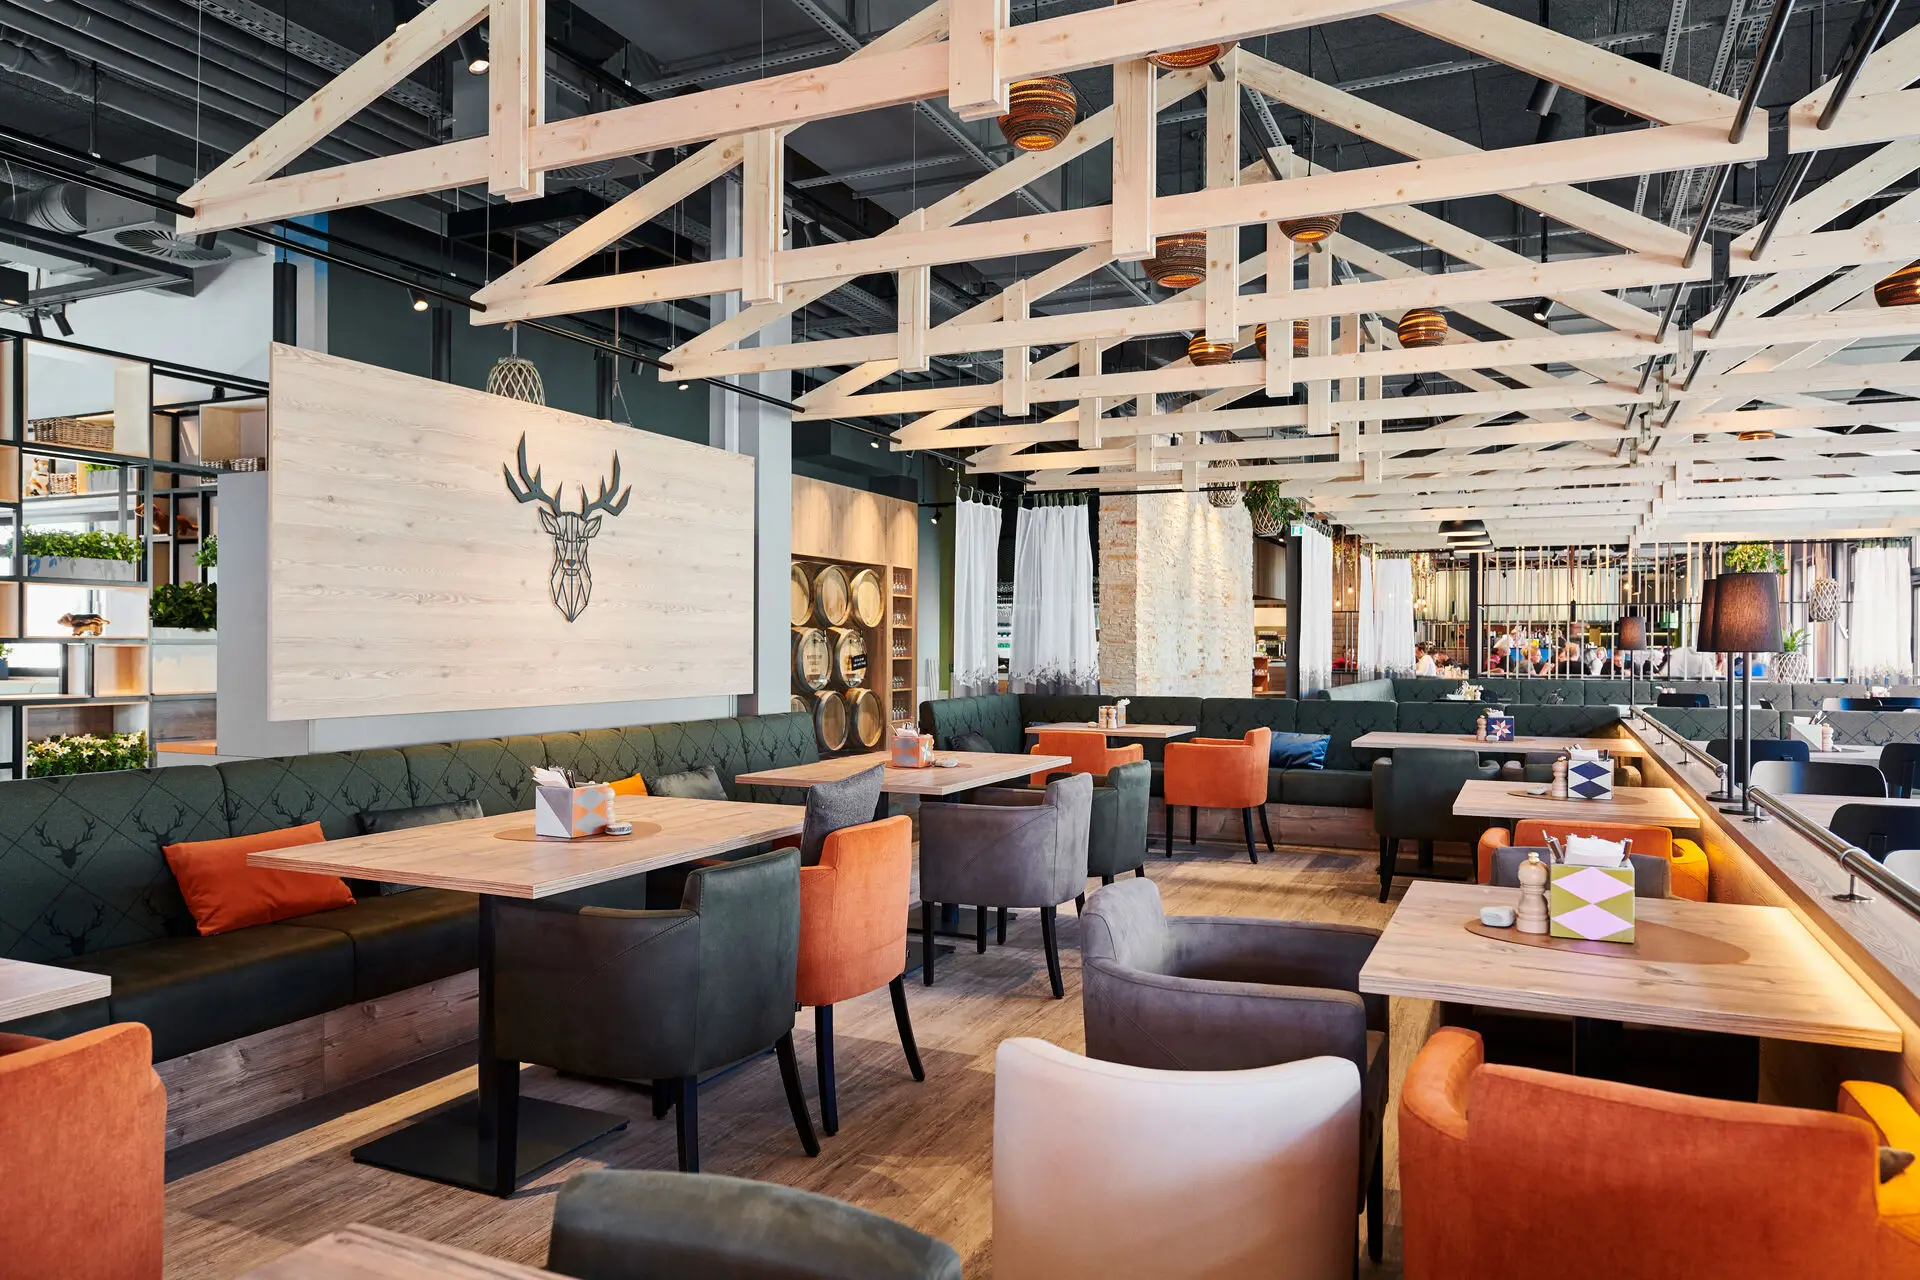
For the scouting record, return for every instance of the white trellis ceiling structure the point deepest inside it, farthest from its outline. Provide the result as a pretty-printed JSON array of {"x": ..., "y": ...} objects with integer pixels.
[{"x": 1632, "y": 429}]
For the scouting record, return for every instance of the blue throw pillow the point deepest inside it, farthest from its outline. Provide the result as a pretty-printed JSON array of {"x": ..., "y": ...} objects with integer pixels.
[{"x": 1298, "y": 751}]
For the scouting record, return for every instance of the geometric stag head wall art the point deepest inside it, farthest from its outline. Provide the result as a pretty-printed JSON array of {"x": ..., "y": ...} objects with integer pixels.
[{"x": 572, "y": 579}]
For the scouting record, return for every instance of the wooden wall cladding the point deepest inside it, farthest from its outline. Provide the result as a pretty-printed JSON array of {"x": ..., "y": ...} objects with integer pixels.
[{"x": 407, "y": 578}]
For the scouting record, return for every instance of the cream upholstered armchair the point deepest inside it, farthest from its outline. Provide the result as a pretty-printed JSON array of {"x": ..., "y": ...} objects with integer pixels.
[{"x": 1109, "y": 1172}]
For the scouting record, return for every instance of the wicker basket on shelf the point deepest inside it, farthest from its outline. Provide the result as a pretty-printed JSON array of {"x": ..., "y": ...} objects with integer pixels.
[{"x": 72, "y": 432}]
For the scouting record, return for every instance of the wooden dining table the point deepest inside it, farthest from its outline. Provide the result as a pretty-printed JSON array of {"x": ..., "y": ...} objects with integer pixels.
[
  {"x": 1647, "y": 806},
  {"x": 1390, "y": 739},
  {"x": 1152, "y": 732},
  {"x": 492, "y": 1139},
  {"x": 1819, "y": 809},
  {"x": 27, "y": 989}
]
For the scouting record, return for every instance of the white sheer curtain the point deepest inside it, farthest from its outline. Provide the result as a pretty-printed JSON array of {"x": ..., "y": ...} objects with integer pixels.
[
  {"x": 976, "y": 598},
  {"x": 1316, "y": 610},
  {"x": 1366, "y": 655},
  {"x": 1882, "y": 614},
  {"x": 1393, "y": 615},
  {"x": 1054, "y": 647}
]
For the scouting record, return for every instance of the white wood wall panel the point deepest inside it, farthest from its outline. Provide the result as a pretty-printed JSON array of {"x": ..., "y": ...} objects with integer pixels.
[{"x": 406, "y": 578}]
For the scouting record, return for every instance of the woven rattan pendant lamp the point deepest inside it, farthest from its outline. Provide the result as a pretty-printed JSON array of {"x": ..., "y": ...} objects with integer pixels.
[
  {"x": 1422, "y": 327},
  {"x": 1901, "y": 289},
  {"x": 514, "y": 377},
  {"x": 1178, "y": 262},
  {"x": 1202, "y": 352},
  {"x": 1040, "y": 113},
  {"x": 1299, "y": 338}
]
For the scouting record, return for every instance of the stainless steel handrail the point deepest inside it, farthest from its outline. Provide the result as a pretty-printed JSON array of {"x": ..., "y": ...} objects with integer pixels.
[
  {"x": 1696, "y": 754},
  {"x": 1853, "y": 860}
]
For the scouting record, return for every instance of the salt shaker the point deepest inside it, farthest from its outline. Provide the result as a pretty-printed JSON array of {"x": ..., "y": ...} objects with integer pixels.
[
  {"x": 1826, "y": 736},
  {"x": 1530, "y": 916},
  {"x": 1560, "y": 778}
]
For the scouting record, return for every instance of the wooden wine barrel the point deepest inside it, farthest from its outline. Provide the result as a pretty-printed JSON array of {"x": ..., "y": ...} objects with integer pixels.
[
  {"x": 812, "y": 658},
  {"x": 832, "y": 601},
  {"x": 869, "y": 718},
  {"x": 869, "y": 598},
  {"x": 800, "y": 705},
  {"x": 800, "y": 598},
  {"x": 830, "y": 720},
  {"x": 849, "y": 656}
]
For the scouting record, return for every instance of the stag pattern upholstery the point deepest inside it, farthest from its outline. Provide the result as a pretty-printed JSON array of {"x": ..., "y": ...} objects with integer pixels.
[{"x": 331, "y": 788}]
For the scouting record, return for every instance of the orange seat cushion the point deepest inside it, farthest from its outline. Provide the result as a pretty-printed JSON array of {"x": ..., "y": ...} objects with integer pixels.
[
  {"x": 225, "y": 894},
  {"x": 634, "y": 786}
]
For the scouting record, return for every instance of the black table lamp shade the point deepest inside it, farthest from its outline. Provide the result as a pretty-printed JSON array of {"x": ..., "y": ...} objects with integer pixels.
[
  {"x": 1709, "y": 599},
  {"x": 1633, "y": 632},
  {"x": 1746, "y": 617}
]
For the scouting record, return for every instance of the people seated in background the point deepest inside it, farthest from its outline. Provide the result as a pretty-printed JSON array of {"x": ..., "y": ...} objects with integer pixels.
[{"x": 1423, "y": 663}]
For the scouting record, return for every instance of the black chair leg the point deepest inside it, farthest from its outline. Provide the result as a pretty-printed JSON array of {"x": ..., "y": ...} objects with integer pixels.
[
  {"x": 1140, "y": 872},
  {"x": 1193, "y": 824},
  {"x": 1079, "y": 904},
  {"x": 1377, "y": 1204},
  {"x": 796, "y": 1101},
  {"x": 1389, "y": 850},
  {"x": 823, "y": 1059},
  {"x": 1000, "y": 927},
  {"x": 1426, "y": 855},
  {"x": 980, "y": 931},
  {"x": 686, "y": 1099},
  {"x": 1107, "y": 880},
  {"x": 1246, "y": 820},
  {"x": 927, "y": 912},
  {"x": 662, "y": 1097},
  {"x": 1265, "y": 830},
  {"x": 898, "y": 990},
  {"x": 1169, "y": 812},
  {"x": 1049, "y": 939}
]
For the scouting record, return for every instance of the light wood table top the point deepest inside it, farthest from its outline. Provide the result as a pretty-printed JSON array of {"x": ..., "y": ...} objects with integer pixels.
[
  {"x": 1388, "y": 739},
  {"x": 1819, "y": 810},
  {"x": 500, "y": 855},
  {"x": 1846, "y": 755},
  {"x": 976, "y": 769},
  {"x": 1752, "y": 971},
  {"x": 1161, "y": 731},
  {"x": 1648, "y": 806},
  {"x": 361, "y": 1252},
  {"x": 27, "y": 989}
]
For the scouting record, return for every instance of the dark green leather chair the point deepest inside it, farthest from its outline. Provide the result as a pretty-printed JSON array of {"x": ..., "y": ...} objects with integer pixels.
[
  {"x": 659, "y": 995},
  {"x": 640, "y": 1225},
  {"x": 1413, "y": 796},
  {"x": 1117, "y": 829}
]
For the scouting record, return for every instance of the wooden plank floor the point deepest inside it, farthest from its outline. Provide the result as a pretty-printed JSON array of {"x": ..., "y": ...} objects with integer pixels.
[{"x": 919, "y": 1153}]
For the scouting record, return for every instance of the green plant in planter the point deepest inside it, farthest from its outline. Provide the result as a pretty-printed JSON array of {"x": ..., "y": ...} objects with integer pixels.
[
  {"x": 1270, "y": 512},
  {"x": 1754, "y": 557},
  {"x": 92, "y": 545},
  {"x": 191, "y": 606},
  {"x": 208, "y": 556},
  {"x": 86, "y": 753},
  {"x": 1794, "y": 641}
]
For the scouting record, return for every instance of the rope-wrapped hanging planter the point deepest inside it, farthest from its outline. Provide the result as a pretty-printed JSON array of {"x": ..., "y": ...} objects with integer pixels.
[
  {"x": 1223, "y": 494},
  {"x": 1203, "y": 352},
  {"x": 1901, "y": 289},
  {"x": 1178, "y": 262},
  {"x": 1823, "y": 602},
  {"x": 1422, "y": 327},
  {"x": 1040, "y": 113}
]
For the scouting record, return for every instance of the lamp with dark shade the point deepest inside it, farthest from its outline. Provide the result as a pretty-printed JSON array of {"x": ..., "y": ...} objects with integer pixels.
[
  {"x": 1632, "y": 640},
  {"x": 1705, "y": 643},
  {"x": 1746, "y": 621}
]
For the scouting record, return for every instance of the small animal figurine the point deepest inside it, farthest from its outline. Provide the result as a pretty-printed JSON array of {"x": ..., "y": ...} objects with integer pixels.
[
  {"x": 84, "y": 624},
  {"x": 1530, "y": 916}
]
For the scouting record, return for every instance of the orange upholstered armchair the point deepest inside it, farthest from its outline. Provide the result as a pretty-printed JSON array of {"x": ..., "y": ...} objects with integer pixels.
[
  {"x": 1219, "y": 773},
  {"x": 1088, "y": 750},
  {"x": 82, "y": 1155},
  {"x": 1509, "y": 1172},
  {"x": 853, "y": 936},
  {"x": 1687, "y": 860}
]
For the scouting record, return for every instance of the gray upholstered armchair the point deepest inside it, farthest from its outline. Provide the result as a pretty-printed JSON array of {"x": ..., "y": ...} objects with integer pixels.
[
  {"x": 1117, "y": 834},
  {"x": 1007, "y": 847},
  {"x": 626, "y": 1224},
  {"x": 1413, "y": 796},
  {"x": 659, "y": 995},
  {"x": 1223, "y": 993}
]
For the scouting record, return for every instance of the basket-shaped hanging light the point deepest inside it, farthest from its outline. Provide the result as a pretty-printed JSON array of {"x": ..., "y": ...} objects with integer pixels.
[
  {"x": 1223, "y": 494},
  {"x": 1422, "y": 327},
  {"x": 1299, "y": 338},
  {"x": 1181, "y": 59},
  {"x": 516, "y": 378},
  {"x": 1901, "y": 289},
  {"x": 1178, "y": 262},
  {"x": 1203, "y": 352},
  {"x": 1040, "y": 113},
  {"x": 1310, "y": 230},
  {"x": 1823, "y": 602},
  {"x": 1756, "y": 435}
]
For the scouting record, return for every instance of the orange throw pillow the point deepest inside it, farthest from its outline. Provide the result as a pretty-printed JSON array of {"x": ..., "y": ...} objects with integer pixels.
[
  {"x": 225, "y": 894},
  {"x": 634, "y": 786}
]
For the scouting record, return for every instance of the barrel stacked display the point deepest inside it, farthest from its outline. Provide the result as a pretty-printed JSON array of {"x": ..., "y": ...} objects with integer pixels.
[{"x": 839, "y": 614}]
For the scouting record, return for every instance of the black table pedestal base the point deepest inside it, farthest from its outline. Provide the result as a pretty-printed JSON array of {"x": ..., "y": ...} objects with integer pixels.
[{"x": 447, "y": 1146}]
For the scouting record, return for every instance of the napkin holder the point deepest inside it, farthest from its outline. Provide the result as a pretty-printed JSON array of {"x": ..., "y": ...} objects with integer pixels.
[
  {"x": 1499, "y": 727},
  {"x": 1806, "y": 731},
  {"x": 572, "y": 813},
  {"x": 910, "y": 750},
  {"x": 1592, "y": 903},
  {"x": 1589, "y": 775}
]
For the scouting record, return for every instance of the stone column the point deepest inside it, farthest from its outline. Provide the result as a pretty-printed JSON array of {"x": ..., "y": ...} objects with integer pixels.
[{"x": 1176, "y": 596}]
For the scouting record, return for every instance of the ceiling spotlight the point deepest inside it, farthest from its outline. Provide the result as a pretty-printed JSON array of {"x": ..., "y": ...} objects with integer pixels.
[
  {"x": 15, "y": 287},
  {"x": 1414, "y": 387},
  {"x": 873, "y": 444},
  {"x": 60, "y": 322},
  {"x": 1541, "y": 309},
  {"x": 479, "y": 66},
  {"x": 418, "y": 299},
  {"x": 33, "y": 323},
  {"x": 683, "y": 386},
  {"x": 1540, "y": 103},
  {"x": 474, "y": 52}
]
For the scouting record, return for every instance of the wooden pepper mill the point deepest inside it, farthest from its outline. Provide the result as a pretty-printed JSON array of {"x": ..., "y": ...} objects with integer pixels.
[
  {"x": 1560, "y": 778},
  {"x": 1530, "y": 916}
]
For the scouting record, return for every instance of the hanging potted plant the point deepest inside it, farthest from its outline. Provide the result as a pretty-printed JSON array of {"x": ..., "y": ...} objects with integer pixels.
[
  {"x": 1791, "y": 666},
  {"x": 1270, "y": 513},
  {"x": 1754, "y": 557}
]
